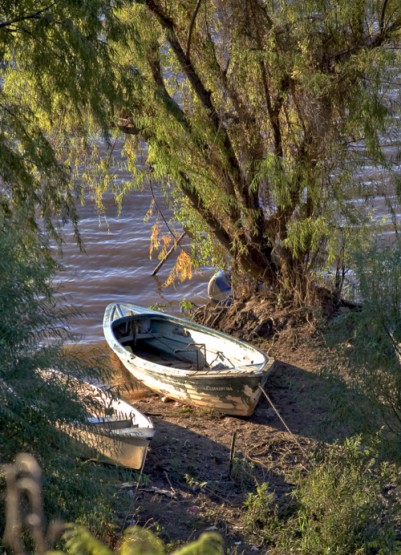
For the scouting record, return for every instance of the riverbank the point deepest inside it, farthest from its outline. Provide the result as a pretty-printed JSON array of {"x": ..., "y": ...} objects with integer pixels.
[{"x": 201, "y": 465}]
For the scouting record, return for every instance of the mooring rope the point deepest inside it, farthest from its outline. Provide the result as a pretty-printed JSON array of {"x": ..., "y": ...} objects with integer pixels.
[{"x": 282, "y": 420}]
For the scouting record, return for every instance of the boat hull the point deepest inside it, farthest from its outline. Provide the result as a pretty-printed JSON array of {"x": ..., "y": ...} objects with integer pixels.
[
  {"x": 234, "y": 391},
  {"x": 106, "y": 447},
  {"x": 114, "y": 431},
  {"x": 236, "y": 395}
]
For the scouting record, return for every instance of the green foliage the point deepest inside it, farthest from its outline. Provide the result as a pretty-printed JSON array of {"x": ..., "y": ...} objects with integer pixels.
[
  {"x": 187, "y": 307},
  {"x": 262, "y": 514},
  {"x": 248, "y": 116},
  {"x": 79, "y": 540},
  {"x": 32, "y": 330},
  {"x": 242, "y": 472},
  {"x": 138, "y": 541},
  {"x": 368, "y": 339},
  {"x": 307, "y": 235},
  {"x": 252, "y": 119},
  {"x": 29, "y": 313},
  {"x": 194, "y": 483},
  {"x": 342, "y": 505},
  {"x": 57, "y": 86}
]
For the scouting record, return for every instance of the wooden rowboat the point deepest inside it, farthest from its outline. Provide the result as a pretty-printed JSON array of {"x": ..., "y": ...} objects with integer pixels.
[{"x": 185, "y": 361}]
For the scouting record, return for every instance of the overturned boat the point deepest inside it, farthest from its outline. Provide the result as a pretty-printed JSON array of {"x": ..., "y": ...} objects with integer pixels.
[{"x": 186, "y": 361}]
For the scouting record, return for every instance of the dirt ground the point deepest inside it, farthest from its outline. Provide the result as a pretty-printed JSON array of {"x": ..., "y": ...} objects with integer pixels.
[{"x": 201, "y": 465}]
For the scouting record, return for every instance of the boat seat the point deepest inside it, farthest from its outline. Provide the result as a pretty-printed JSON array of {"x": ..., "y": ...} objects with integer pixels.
[
  {"x": 147, "y": 335},
  {"x": 143, "y": 433},
  {"x": 112, "y": 422},
  {"x": 184, "y": 365},
  {"x": 181, "y": 364},
  {"x": 127, "y": 341}
]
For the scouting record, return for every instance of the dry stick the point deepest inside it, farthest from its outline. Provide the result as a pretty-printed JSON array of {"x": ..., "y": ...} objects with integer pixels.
[
  {"x": 281, "y": 419},
  {"x": 232, "y": 449},
  {"x": 163, "y": 260},
  {"x": 141, "y": 471},
  {"x": 135, "y": 493},
  {"x": 169, "y": 483},
  {"x": 215, "y": 319}
]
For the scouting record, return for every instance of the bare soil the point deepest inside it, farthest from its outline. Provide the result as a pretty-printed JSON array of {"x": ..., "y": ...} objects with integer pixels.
[{"x": 202, "y": 465}]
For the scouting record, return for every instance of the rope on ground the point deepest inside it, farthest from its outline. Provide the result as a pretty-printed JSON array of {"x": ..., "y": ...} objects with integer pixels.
[{"x": 282, "y": 420}]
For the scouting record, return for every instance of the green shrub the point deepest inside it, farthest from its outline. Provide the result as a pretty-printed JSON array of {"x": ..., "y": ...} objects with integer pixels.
[
  {"x": 342, "y": 506},
  {"x": 32, "y": 332},
  {"x": 262, "y": 514},
  {"x": 242, "y": 472},
  {"x": 368, "y": 342},
  {"x": 138, "y": 541}
]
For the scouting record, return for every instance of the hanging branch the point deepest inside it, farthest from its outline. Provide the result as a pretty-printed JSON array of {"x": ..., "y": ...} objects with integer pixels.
[
  {"x": 160, "y": 211},
  {"x": 191, "y": 27},
  {"x": 169, "y": 253},
  {"x": 35, "y": 15}
]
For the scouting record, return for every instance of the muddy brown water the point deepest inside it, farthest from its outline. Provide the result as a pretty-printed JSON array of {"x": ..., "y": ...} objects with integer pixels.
[{"x": 116, "y": 266}]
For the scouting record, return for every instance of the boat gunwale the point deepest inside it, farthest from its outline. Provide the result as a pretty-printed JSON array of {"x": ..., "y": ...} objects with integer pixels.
[
  {"x": 246, "y": 371},
  {"x": 102, "y": 424}
]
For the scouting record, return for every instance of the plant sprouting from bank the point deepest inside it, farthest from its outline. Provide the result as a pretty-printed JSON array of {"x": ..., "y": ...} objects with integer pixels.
[{"x": 368, "y": 340}]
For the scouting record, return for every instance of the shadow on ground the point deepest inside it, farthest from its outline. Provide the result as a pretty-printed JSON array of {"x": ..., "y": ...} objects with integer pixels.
[{"x": 202, "y": 465}]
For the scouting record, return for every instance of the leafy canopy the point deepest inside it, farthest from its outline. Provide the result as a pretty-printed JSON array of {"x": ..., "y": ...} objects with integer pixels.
[
  {"x": 251, "y": 115},
  {"x": 254, "y": 117},
  {"x": 57, "y": 86}
]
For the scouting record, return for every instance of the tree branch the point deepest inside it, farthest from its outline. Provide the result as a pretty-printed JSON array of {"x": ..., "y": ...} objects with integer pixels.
[
  {"x": 35, "y": 15},
  {"x": 172, "y": 106},
  {"x": 250, "y": 254},
  {"x": 382, "y": 15},
  {"x": 201, "y": 92},
  {"x": 198, "y": 204},
  {"x": 191, "y": 27}
]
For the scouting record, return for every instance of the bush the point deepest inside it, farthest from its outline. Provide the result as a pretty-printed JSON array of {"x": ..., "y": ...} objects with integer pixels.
[
  {"x": 262, "y": 514},
  {"x": 32, "y": 331},
  {"x": 368, "y": 340},
  {"x": 342, "y": 506}
]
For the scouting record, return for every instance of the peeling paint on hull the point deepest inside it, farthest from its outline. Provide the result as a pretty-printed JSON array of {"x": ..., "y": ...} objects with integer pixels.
[{"x": 222, "y": 373}]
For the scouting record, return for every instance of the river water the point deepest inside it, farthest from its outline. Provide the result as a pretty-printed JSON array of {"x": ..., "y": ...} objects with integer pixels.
[{"x": 116, "y": 265}]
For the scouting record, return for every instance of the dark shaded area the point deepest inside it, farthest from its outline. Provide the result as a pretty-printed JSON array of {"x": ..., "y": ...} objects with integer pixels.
[{"x": 188, "y": 487}]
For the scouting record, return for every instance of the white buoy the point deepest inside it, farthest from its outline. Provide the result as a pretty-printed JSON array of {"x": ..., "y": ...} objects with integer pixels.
[{"x": 219, "y": 287}]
